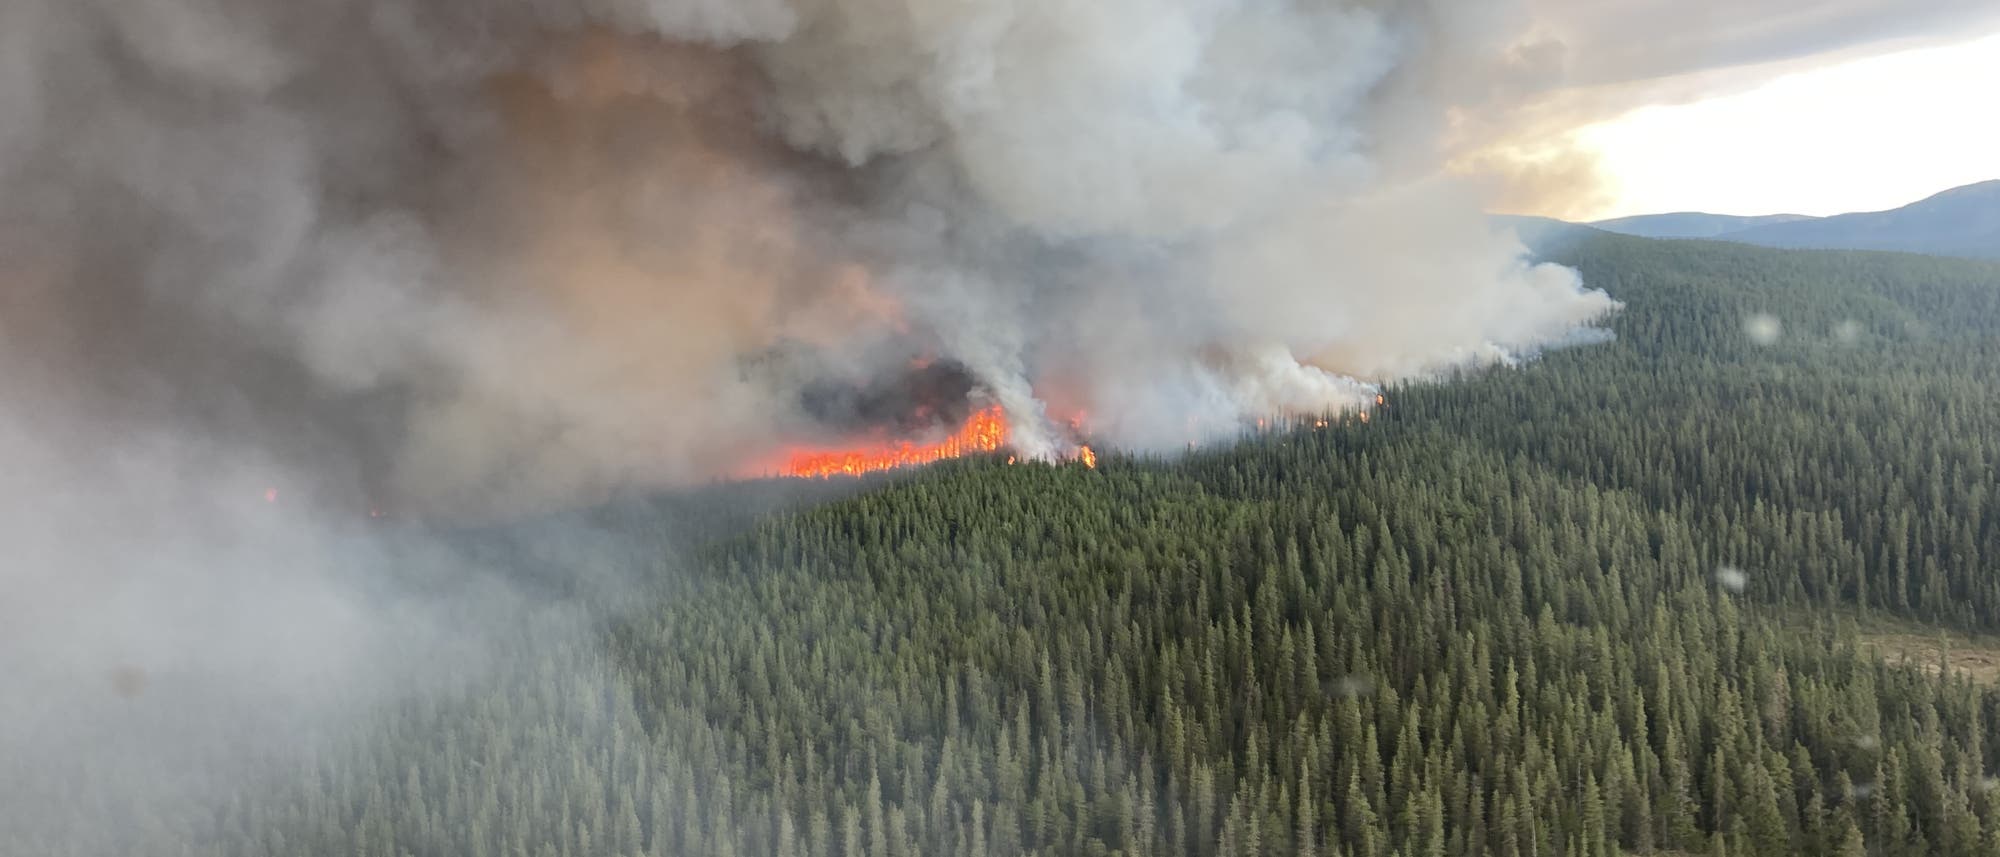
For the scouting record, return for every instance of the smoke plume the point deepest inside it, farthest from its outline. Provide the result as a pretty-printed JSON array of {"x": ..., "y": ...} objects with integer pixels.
[
  {"x": 271, "y": 268},
  {"x": 466, "y": 257}
]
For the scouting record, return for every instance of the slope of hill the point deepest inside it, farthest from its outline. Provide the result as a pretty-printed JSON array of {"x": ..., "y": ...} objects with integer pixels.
[
  {"x": 1542, "y": 235},
  {"x": 1690, "y": 224},
  {"x": 1599, "y": 604},
  {"x": 1963, "y": 221}
]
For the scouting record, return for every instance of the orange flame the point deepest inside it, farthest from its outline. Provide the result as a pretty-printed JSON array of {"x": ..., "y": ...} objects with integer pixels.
[
  {"x": 985, "y": 431},
  {"x": 1087, "y": 456}
]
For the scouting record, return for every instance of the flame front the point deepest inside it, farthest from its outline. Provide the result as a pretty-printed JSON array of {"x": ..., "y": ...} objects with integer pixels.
[{"x": 984, "y": 431}]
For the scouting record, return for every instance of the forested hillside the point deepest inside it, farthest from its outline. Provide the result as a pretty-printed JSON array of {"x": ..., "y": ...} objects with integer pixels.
[{"x": 1609, "y": 601}]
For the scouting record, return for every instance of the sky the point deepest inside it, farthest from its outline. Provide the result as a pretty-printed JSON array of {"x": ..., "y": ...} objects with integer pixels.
[{"x": 1856, "y": 135}]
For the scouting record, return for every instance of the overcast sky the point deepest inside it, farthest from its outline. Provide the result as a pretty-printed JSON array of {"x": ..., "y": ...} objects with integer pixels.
[{"x": 1759, "y": 106}]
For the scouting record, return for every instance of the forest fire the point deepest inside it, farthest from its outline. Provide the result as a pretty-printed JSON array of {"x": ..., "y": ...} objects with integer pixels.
[{"x": 985, "y": 431}]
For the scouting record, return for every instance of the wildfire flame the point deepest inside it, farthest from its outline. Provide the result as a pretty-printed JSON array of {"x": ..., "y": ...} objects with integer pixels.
[{"x": 984, "y": 431}]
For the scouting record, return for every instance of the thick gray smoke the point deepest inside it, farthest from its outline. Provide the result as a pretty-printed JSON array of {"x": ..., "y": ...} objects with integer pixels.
[
  {"x": 472, "y": 256},
  {"x": 270, "y": 267},
  {"x": 271, "y": 264}
]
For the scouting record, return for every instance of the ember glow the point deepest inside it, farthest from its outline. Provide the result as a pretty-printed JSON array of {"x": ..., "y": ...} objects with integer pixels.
[{"x": 985, "y": 431}]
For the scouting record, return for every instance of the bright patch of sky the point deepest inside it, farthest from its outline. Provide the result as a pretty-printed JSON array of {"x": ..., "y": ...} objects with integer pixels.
[{"x": 1864, "y": 135}]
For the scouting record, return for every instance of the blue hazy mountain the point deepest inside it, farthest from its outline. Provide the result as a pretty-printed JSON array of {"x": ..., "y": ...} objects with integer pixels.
[
  {"x": 1963, "y": 221},
  {"x": 1690, "y": 224}
]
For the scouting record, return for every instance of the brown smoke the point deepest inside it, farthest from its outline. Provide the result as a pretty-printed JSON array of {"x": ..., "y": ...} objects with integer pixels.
[{"x": 478, "y": 257}]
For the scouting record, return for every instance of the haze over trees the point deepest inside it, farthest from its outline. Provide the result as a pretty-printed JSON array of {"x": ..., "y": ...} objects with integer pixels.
[{"x": 1610, "y": 601}]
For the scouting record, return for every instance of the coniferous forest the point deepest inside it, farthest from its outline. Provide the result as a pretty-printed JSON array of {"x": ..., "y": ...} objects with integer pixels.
[{"x": 1614, "y": 600}]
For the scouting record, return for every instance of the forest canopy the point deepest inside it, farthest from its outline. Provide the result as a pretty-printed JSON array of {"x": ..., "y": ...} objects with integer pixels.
[{"x": 1613, "y": 600}]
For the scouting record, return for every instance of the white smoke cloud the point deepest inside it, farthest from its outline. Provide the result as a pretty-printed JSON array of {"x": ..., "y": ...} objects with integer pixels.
[{"x": 1211, "y": 168}]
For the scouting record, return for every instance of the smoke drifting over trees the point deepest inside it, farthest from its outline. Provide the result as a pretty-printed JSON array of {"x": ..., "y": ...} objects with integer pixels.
[
  {"x": 487, "y": 254},
  {"x": 269, "y": 268}
]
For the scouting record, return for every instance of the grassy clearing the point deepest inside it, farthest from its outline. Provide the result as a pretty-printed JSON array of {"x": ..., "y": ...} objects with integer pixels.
[
  {"x": 1933, "y": 649},
  {"x": 1918, "y": 645}
]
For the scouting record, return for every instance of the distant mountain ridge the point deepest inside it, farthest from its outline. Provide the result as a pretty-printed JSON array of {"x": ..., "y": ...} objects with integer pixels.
[
  {"x": 1691, "y": 224},
  {"x": 1963, "y": 221}
]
